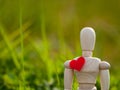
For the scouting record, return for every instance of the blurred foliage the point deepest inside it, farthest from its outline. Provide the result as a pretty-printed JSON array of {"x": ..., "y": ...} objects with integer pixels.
[{"x": 38, "y": 36}]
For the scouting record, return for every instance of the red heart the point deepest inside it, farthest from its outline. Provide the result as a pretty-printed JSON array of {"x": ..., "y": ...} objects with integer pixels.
[{"x": 77, "y": 64}]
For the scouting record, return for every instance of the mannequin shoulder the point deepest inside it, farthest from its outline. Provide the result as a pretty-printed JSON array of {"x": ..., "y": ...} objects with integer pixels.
[
  {"x": 97, "y": 59},
  {"x": 104, "y": 65},
  {"x": 66, "y": 64},
  {"x": 93, "y": 59}
]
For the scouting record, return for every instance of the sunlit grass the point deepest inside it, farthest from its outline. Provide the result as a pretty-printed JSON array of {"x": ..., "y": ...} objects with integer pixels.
[
  {"x": 10, "y": 48},
  {"x": 22, "y": 82}
]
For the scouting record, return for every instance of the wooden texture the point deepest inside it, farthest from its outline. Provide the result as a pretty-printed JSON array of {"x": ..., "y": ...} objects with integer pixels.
[
  {"x": 93, "y": 66},
  {"x": 104, "y": 79},
  {"x": 87, "y": 39},
  {"x": 68, "y": 78}
]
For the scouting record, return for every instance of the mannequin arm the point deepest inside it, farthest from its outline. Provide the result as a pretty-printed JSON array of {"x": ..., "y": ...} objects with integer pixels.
[
  {"x": 104, "y": 75},
  {"x": 68, "y": 76},
  {"x": 68, "y": 79},
  {"x": 104, "y": 79}
]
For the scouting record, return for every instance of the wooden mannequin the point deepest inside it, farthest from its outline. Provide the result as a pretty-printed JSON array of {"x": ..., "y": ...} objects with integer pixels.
[{"x": 88, "y": 68}]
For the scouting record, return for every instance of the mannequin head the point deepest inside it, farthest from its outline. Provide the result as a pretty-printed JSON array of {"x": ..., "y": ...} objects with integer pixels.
[{"x": 87, "y": 39}]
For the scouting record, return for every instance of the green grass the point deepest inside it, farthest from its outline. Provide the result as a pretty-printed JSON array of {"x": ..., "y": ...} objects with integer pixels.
[
  {"x": 22, "y": 82},
  {"x": 10, "y": 48}
]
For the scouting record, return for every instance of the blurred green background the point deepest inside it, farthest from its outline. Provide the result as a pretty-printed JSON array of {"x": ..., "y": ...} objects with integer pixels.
[{"x": 38, "y": 36}]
